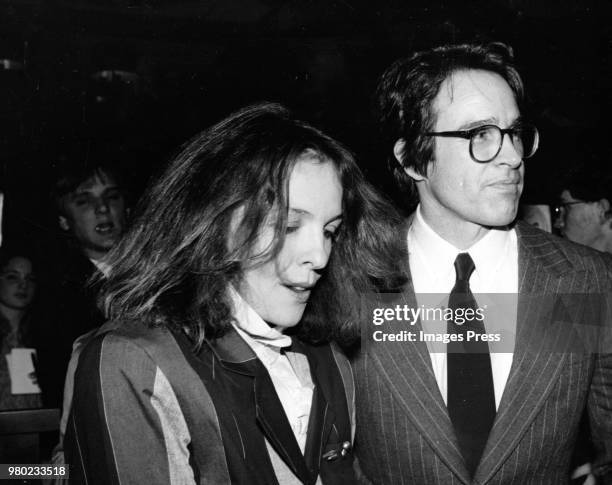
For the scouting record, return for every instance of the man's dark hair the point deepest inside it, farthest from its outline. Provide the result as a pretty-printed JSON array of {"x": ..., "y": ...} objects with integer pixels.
[
  {"x": 588, "y": 184},
  {"x": 71, "y": 173},
  {"x": 406, "y": 92}
]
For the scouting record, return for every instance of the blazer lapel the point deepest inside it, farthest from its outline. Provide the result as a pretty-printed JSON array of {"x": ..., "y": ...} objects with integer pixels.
[
  {"x": 407, "y": 369},
  {"x": 535, "y": 367},
  {"x": 273, "y": 420},
  {"x": 237, "y": 356},
  {"x": 321, "y": 413},
  {"x": 319, "y": 426}
]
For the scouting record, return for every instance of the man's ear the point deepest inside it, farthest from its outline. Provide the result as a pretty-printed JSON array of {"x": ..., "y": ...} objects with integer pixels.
[
  {"x": 605, "y": 204},
  {"x": 63, "y": 223},
  {"x": 604, "y": 209},
  {"x": 398, "y": 152}
]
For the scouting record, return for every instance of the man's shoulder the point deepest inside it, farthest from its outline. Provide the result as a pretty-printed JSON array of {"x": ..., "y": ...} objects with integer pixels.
[{"x": 546, "y": 244}]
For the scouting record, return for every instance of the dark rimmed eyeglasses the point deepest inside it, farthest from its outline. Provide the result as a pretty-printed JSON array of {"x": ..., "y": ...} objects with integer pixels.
[
  {"x": 486, "y": 140},
  {"x": 561, "y": 208}
]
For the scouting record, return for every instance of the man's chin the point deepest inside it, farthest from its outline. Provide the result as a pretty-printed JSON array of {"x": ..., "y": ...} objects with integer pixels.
[
  {"x": 501, "y": 218},
  {"x": 101, "y": 246}
]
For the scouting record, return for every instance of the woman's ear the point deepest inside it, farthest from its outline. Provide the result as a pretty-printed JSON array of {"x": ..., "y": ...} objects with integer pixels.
[{"x": 398, "y": 152}]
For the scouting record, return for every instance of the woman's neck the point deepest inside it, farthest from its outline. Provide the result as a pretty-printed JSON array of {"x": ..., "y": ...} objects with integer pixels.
[{"x": 12, "y": 315}]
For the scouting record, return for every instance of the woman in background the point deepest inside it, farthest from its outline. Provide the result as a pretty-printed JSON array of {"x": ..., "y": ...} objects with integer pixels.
[
  {"x": 17, "y": 290},
  {"x": 245, "y": 260}
]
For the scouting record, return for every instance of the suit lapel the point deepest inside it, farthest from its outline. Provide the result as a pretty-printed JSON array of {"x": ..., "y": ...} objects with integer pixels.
[
  {"x": 407, "y": 369},
  {"x": 535, "y": 367}
]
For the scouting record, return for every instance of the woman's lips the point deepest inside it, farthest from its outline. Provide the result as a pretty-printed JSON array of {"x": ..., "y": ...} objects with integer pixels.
[{"x": 300, "y": 292}]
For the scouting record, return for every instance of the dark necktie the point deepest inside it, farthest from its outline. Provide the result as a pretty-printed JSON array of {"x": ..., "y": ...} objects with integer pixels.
[{"x": 471, "y": 398}]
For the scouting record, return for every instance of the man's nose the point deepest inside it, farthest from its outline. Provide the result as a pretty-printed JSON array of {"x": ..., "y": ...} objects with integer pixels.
[
  {"x": 101, "y": 206},
  {"x": 559, "y": 221},
  {"x": 509, "y": 154}
]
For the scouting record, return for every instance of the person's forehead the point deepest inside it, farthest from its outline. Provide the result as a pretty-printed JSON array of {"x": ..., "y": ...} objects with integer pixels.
[
  {"x": 475, "y": 95},
  {"x": 18, "y": 264},
  {"x": 566, "y": 196},
  {"x": 99, "y": 181}
]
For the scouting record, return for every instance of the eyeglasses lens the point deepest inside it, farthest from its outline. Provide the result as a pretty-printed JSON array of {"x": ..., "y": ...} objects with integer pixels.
[
  {"x": 529, "y": 139},
  {"x": 486, "y": 143}
]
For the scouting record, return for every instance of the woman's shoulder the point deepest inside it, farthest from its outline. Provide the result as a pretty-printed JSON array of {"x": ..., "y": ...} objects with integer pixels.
[{"x": 131, "y": 340}]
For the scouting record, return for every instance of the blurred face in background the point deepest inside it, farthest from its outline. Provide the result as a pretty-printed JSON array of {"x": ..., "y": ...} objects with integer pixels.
[
  {"x": 581, "y": 221},
  {"x": 17, "y": 283},
  {"x": 95, "y": 214},
  {"x": 279, "y": 289}
]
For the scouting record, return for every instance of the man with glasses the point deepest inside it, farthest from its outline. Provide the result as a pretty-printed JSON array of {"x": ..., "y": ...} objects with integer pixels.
[
  {"x": 583, "y": 213},
  {"x": 458, "y": 141}
]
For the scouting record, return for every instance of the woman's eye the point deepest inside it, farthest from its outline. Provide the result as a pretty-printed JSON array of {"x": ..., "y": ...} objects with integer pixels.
[{"x": 292, "y": 228}]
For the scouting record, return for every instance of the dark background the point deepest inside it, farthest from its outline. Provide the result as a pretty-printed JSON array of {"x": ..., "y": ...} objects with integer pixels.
[{"x": 137, "y": 79}]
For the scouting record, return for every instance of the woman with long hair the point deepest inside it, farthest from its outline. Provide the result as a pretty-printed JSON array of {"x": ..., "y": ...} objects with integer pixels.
[
  {"x": 246, "y": 258},
  {"x": 17, "y": 289}
]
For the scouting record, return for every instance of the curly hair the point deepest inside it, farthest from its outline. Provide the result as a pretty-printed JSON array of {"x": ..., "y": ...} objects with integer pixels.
[
  {"x": 174, "y": 265},
  {"x": 406, "y": 93}
]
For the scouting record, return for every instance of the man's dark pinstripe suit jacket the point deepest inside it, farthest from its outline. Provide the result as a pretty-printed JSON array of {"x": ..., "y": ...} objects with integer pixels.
[{"x": 404, "y": 434}]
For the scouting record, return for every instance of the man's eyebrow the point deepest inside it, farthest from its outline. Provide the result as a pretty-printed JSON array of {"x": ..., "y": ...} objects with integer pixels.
[
  {"x": 476, "y": 123},
  {"x": 488, "y": 121}
]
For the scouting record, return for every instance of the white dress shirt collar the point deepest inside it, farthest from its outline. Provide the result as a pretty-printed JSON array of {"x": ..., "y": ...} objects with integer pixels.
[
  {"x": 437, "y": 256},
  {"x": 248, "y": 321}
]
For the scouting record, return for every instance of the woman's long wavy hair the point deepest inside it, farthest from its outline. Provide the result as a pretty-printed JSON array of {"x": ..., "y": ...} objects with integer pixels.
[{"x": 174, "y": 265}]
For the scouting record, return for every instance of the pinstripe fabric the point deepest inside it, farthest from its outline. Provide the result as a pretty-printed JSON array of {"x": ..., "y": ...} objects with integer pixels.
[{"x": 404, "y": 435}]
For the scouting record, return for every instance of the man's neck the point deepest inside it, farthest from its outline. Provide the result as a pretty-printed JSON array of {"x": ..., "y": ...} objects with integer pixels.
[
  {"x": 94, "y": 254},
  {"x": 461, "y": 234}
]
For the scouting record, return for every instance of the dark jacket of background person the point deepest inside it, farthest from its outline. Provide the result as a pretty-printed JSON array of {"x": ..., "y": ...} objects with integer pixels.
[
  {"x": 73, "y": 313},
  {"x": 213, "y": 410},
  {"x": 535, "y": 428}
]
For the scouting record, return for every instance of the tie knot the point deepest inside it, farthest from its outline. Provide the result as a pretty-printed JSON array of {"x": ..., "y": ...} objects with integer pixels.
[{"x": 464, "y": 267}]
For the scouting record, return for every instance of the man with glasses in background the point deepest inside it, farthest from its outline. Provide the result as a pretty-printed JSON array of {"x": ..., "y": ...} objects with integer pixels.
[
  {"x": 457, "y": 137},
  {"x": 583, "y": 213}
]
